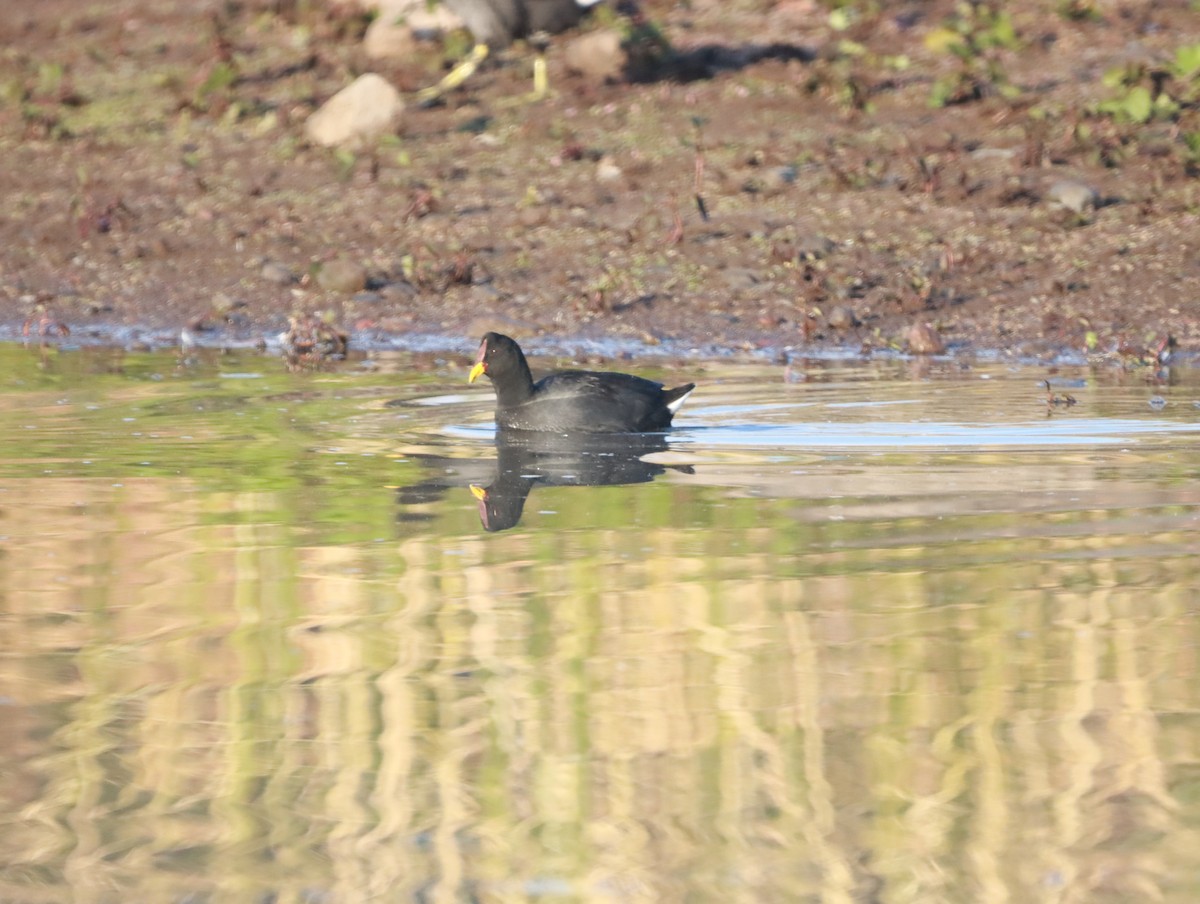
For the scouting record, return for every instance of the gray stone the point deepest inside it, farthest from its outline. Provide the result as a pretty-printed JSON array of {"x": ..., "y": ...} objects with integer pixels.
[
  {"x": 342, "y": 276},
  {"x": 398, "y": 291},
  {"x": 273, "y": 271},
  {"x": 841, "y": 317},
  {"x": 769, "y": 181},
  {"x": 740, "y": 279},
  {"x": 995, "y": 153},
  {"x": 813, "y": 247}
]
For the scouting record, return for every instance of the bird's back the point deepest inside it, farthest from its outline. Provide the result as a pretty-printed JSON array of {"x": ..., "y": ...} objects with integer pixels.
[{"x": 587, "y": 402}]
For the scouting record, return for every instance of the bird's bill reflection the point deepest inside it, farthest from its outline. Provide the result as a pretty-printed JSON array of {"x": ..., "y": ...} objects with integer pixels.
[{"x": 526, "y": 460}]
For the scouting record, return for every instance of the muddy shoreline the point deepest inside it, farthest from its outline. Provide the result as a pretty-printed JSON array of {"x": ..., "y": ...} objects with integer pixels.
[
  {"x": 594, "y": 350},
  {"x": 770, "y": 205}
]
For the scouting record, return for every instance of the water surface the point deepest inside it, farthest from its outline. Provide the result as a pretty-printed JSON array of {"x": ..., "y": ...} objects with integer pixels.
[{"x": 886, "y": 633}]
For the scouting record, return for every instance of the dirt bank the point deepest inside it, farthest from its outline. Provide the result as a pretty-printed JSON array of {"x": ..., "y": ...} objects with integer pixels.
[{"x": 785, "y": 179}]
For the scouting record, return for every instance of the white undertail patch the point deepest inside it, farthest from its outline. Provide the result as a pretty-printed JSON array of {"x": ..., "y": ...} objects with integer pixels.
[{"x": 678, "y": 403}]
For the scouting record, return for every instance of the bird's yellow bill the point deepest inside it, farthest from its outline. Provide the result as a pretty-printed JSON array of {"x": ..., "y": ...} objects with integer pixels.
[
  {"x": 478, "y": 369},
  {"x": 478, "y": 492}
]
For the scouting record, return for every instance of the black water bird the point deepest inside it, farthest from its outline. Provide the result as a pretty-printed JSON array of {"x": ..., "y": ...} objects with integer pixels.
[
  {"x": 494, "y": 24},
  {"x": 572, "y": 401}
]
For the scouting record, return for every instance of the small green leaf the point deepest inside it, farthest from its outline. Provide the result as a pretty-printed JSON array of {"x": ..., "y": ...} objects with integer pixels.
[
  {"x": 1187, "y": 61},
  {"x": 1003, "y": 34},
  {"x": 942, "y": 92},
  {"x": 1138, "y": 105},
  {"x": 1121, "y": 76},
  {"x": 345, "y": 160},
  {"x": 50, "y": 77},
  {"x": 941, "y": 39},
  {"x": 840, "y": 19},
  {"x": 221, "y": 77},
  {"x": 1165, "y": 106}
]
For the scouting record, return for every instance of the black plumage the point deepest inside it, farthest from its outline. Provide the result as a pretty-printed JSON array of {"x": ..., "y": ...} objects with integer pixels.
[{"x": 572, "y": 401}]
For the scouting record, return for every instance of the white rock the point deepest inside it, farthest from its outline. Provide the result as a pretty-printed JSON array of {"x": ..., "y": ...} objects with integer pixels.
[
  {"x": 418, "y": 15},
  {"x": 597, "y": 55},
  {"x": 607, "y": 169},
  {"x": 366, "y": 108},
  {"x": 394, "y": 32},
  {"x": 387, "y": 38},
  {"x": 1073, "y": 195}
]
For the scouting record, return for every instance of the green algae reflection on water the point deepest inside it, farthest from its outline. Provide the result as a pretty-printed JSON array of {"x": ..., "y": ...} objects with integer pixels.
[{"x": 254, "y": 643}]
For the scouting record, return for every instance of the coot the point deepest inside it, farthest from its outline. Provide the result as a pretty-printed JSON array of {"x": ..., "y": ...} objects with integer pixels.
[
  {"x": 572, "y": 401},
  {"x": 494, "y": 24}
]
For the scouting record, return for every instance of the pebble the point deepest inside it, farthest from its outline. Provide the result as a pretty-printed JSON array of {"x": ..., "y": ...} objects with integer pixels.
[
  {"x": 223, "y": 305},
  {"x": 341, "y": 275},
  {"x": 389, "y": 37},
  {"x": 398, "y": 24},
  {"x": 770, "y": 181},
  {"x": 814, "y": 247},
  {"x": 923, "y": 339},
  {"x": 484, "y": 293},
  {"x": 607, "y": 170},
  {"x": 1073, "y": 195},
  {"x": 995, "y": 154},
  {"x": 365, "y": 109},
  {"x": 273, "y": 271},
  {"x": 597, "y": 55},
  {"x": 397, "y": 291},
  {"x": 841, "y": 317},
  {"x": 536, "y": 215},
  {"x": 740, "y": 278},
  {"x": 420, "y": 16}
]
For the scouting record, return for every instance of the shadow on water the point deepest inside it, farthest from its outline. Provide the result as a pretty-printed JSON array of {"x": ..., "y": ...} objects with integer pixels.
[{"x": 527, "y": 460}]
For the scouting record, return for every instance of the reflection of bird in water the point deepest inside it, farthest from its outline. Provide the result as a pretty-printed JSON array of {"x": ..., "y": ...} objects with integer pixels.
[
  {"x": 533, "y": 459},
  {"x": 494, "y": 24},
  {"x": 555, "y": 460}
]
